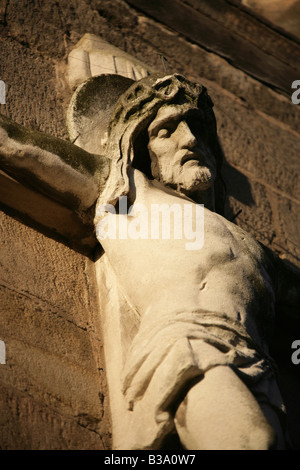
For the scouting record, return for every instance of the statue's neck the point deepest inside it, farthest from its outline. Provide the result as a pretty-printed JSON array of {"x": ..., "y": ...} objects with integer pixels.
[
  {"x": 204, "y": 197},
  {"x": 207, "y": 198}
]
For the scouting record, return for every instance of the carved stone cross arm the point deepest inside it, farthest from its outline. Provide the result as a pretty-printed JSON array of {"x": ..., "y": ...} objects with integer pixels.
[{"x": 50, "y": 184}]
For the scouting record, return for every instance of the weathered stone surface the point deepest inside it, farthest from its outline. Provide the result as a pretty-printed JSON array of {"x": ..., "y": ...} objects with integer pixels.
[
  {"x": 91, "y": 108},
  {"x": 26, "y": 314},
  {"x": 29, "y": 258},
  {"x": 51, "y": 377},
  {"x": 24, "y": 97},
  {"x": 92, "y": 56},
  {"x": 26, "y": 423},
  {"x": 285, "y": 14},
  {"x": 232, "y": 33}
]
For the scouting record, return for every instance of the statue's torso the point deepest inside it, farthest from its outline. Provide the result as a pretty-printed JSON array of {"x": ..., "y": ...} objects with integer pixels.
[{"x": 229, "y": 275}]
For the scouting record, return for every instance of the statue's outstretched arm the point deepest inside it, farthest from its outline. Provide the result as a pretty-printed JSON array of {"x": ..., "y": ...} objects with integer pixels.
[
  {"x": 50, "y": 184},
  {"x": 52, "y": 166}
]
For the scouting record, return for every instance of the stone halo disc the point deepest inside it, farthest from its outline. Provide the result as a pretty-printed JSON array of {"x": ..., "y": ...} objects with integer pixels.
[{"x": 91, "y": 108}]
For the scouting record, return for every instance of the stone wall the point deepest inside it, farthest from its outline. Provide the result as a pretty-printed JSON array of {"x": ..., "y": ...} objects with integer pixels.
[
  {"x": 53, "y": 392},
  {"x": 283, "y": 13},
  {"x": 53, "y": 384}
]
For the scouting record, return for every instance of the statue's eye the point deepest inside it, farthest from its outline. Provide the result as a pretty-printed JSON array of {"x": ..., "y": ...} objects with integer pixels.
[{"x": 163, "y": 133}]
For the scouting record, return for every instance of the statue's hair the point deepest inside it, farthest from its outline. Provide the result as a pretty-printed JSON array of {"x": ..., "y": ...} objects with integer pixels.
[{"x": 134, "y": 112}]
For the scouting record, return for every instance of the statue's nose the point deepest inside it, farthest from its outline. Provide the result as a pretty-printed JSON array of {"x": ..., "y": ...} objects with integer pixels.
[{"x": 187, "y": 138}]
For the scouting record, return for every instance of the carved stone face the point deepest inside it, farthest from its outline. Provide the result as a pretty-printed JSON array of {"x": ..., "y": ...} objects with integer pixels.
[{"x": 179, "y": 149}]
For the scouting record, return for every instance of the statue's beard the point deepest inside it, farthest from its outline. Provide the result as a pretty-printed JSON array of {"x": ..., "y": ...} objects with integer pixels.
[
  {"x": 196, "y": 178},
  {"x": 188, "y": 178}
]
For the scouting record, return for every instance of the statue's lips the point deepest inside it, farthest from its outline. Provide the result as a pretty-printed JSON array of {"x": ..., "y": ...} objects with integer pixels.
[{"x": 190, "y": 157}]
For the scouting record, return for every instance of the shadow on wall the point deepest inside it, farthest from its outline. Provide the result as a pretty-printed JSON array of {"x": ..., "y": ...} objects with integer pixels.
[{"x": 237, "y": 186}]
